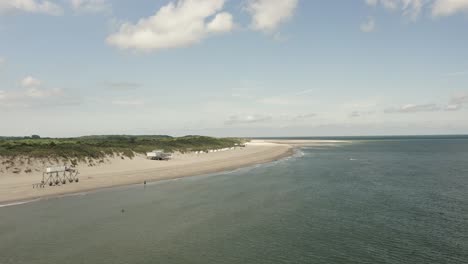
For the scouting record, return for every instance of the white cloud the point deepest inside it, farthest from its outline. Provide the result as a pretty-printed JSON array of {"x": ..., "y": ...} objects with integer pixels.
[
  {"x": 456, "y": 74},
  {"x": 457, "y": 102},
  {"x": 128, "y": 102},
  {"x": 413, "y": 8},
  {"x": 305, "y": 92},
  {"x": 247, "y": 119},
  {"x": 368, "y": 26},
  {"x": 30, "y": 81},
  {"x": 459, "y": 99},
  {"x": 123, "y": 86},
  {"x": 279, "y": 37},
  {"x": 30, "y": 6},
  {"x": 283, "y": 119},
  {"x": 267, "y": 15},
  {"x": 305, "y": 116},
  {"x": 288, "y": 119},
  {"x": 35, "y": 96},
  {"x": 413, "y": 108},
  {"x": 35, "y": 92},
  {"x": 410, "y": 8},
  {"x": 90, "y": 6},
  {"x": 223, "y": 22},
  {"x": 178, "y": 24},
  {"x": 449, "y": 7},
  {"x": 453, "y": 107}
]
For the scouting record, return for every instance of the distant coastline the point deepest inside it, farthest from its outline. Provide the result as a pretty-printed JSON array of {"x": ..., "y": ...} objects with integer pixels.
[{"x": 366, "y": 138}]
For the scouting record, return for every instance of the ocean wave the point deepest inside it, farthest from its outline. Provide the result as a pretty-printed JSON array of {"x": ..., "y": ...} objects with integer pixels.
[{"x": 19, "y": 203}]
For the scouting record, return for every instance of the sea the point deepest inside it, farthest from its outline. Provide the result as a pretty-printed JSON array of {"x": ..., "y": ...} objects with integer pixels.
[{"x": 372, "y": 200}]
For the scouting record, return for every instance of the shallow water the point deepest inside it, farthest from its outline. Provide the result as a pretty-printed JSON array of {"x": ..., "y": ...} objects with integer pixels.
[{"x": 392, "y": 201}]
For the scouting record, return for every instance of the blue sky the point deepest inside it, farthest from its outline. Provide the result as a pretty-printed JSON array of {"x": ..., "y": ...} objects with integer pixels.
[{"x": 233, "y": 68}]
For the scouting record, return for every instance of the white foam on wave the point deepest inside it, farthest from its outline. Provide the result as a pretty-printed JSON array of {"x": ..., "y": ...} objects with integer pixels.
[
  {"x": 18, "y": 203},
  {"x": 298, "y": 154}
]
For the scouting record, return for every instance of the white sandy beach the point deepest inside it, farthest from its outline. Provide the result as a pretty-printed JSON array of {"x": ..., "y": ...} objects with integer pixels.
[
  {"x": 117, "y": 172},
  {"x": 17, "y": 187}
]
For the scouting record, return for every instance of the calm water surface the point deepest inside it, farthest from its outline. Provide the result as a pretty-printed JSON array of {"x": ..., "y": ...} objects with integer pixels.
[{"x": 391, "y": 201}]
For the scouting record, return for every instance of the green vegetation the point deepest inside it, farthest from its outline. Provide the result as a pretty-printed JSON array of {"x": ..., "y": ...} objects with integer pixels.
[{"x": 98, "y": 147}]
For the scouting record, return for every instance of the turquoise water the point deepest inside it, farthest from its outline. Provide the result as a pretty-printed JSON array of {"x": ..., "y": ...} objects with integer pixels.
[{"x": 390, "y": 201}]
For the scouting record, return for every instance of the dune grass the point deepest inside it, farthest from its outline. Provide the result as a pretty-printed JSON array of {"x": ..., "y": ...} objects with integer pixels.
[{"x": 97, "y": 147}]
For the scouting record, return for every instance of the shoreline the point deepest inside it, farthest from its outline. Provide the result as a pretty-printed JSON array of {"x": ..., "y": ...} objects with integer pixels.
[
  {"x": 288, "y": 154},
  {"x": 18, "y": 189}
]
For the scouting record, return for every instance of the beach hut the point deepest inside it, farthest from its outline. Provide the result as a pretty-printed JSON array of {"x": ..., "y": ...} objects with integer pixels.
[{"x": 158, "y": 155}]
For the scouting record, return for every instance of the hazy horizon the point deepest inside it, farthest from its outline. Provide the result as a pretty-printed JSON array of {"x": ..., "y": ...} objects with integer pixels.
[{"x": 260, "y": 137}]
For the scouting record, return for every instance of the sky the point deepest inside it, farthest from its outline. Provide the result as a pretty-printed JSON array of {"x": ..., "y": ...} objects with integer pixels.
[{"x": 233, "y": 67}]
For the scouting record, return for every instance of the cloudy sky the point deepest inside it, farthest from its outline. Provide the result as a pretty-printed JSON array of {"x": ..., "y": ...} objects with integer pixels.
[{"x": 233, "y": 67}]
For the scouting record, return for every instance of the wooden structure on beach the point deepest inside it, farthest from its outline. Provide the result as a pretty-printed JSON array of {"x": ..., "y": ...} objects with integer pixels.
[{"x": 59, "y": 175}]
